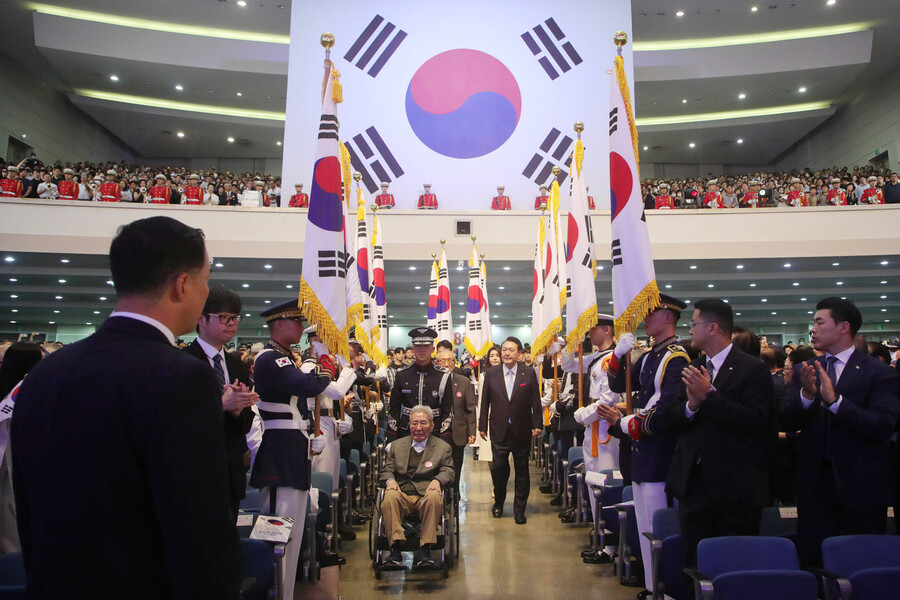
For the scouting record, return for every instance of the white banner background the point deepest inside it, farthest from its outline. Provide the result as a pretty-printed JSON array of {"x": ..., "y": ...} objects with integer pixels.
[{"x": 495, "y": 28}]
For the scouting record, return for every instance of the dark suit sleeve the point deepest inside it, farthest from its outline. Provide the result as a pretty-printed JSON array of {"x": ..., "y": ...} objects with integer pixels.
[
  {"x": 471, "y": 406},
  {"x": 537, "y": 419},
  {"x": 485, "y": 403},
  {"x": 874, "y": 417},
  {"x": 791, "y": 412},
  {"x": 187, "y": 471}
]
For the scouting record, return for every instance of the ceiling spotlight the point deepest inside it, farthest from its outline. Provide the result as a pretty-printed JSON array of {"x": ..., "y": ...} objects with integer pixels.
[
  {"x": 796, "y": 283},
  {"x": 62, "y": 280},
  {"x": 412, "y": 267},
  {"x": 289, "y": 287},
  {"x": 102, "y": 298},
  {"x": 267, "y": 302},
  {"x": 684, "y": 100},
  {"x": 109, "y": 282},
  {"x": 742, "y": 96},
  {"x": 784, "y": 322},
  {"x": 691, "y": 145},
  {"x": 9, "y": 259},
  {"x": 774, "y": 312},
  {"x": 498, "y": 303},
  {"x": 219, "y": 265},
  {"x": 754, "y": 8},
  {"x": 680, "y": 13},
  {"x": 787, "y": 265},
  {"x": 179, "y": 87},
  {"x": 13, "y": 279},
  {"x": 57, "y": 297},
  {"x": 278, "y": 143},
  {"x": 835, "y": 264},
  {"x": 246, "y": 285},
  {"x": 242, "y": 2},
  {"x": 64, "y": 261},
  {"x": 113, "y": 77},
  {"x": 55, "y": 312},
  {"x": 418, "y": 287},
  {"x": 267, "y": 266},
  {"x": 884, "y": 263},
  {"x": 838, "y": 283},
  {"x": 645, "y": 148},
  {"x": 740, "y": 141},
  {"x": 883, "y": 282},
  {"x": 883, "y": 297},
  {"x": 230, "y": 140},
  {"x": 764, "y": 300},
  {"x": 739, "y": 267},
  {"x": 240, "y": 93},
  {"x": 180, "y": 134},
  {"x": 502, "y": 287},
  {"x": 693, "y": 267},
  {"x": 752, "y": 285},
  {"x": 802, "y": 90},
  {"x": 709, "y": 285},
  {"x": 506, "y": 268},
  {"x": 668, "y": 286},
  {"x": 52, "y": 322},
  {"x": 459, "y": 287},
  {"x": 831, "y": 2},
  {"x": 15, "y": 310}
]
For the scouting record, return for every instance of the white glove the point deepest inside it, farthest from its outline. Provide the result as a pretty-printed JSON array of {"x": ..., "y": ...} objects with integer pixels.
[
  {"x": 342, "y": 361},
  {"x": 553, "y": 408},
  {"x": 317, "y": 444},
  {"x": 320, "y": 349},
  {"x": 336, "y": 390},
  {"x": 345, "y": 426},
  {"x": 380, "y": 374},
  {"x": 368, "y": 414},
  {"x": 378, "y": 406},
  {"x": 553, "y": 349},
  {"x": 625, "y": 344}
]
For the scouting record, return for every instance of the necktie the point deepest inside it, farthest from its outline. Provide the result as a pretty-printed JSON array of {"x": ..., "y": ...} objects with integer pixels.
[
  {"x": 829, "y": 369},
  {"x": 220, "y": 372},
  {"x": 712, "y": 371},
  {"x": 510, "y": 376}
]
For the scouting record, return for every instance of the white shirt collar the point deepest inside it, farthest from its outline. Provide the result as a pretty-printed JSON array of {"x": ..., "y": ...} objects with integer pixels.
[
  {"x": 148, "y": 320},
  {"x": 419, "y": 447},
  {"x": 719, "y": 358},
  {"x": 844, "y": 355},
  {"x": 210, "y": 351},
  {"x": 507, "y": 370}
]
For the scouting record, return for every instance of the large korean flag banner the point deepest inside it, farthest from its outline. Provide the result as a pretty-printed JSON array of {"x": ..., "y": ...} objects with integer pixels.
[{"x": 464, "y": 95}]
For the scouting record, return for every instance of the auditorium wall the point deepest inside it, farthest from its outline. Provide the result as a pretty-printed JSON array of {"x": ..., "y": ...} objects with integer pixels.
[
  {"x": 868, "y": 126},
  {"x": 57, "y": 130},
  {"x": 267, "y": 166}
]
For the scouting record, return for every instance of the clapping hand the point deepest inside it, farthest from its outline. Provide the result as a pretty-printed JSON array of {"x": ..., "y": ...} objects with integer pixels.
[
  {"x": 236, "y": 397},
  {"x": 696, "y": 382},
  {"x": 816, "y": 381}
]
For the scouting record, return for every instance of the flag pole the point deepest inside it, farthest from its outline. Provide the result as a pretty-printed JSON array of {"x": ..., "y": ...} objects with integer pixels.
[
  {"x": 581, "y": 376},
  {"x": 378, "y": 388}
]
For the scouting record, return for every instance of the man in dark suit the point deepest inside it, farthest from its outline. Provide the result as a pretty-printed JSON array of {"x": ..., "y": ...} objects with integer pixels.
[
  {"x": 719, "y": 471},
  {"x": 229, "y": 196},
  {"x": 118, "y": 451},
  {"x": 216, "y": 327},
  {"x": 845, "y": 406},
  {"x": 416, "y": 468},
  {"x": 511, "y": 405},
  {"x": 462, "y": 428}
]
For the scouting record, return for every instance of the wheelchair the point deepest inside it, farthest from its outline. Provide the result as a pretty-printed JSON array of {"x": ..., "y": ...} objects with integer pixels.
[{"x": 447, "y": 546}]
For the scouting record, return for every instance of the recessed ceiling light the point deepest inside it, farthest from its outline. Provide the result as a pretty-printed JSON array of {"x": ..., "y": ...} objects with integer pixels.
[
  {"x": 887, "y": 320},
  {"x": 246, "y": 285},
  {"x": 740, "y": 141},
  {"x": 506, "y": 268},
  {"x": 289, "y": 287},
  {"x": 180, "y": 134},
  {"x": 267, "y": 266},
  {"x": 668, "y": 286},
  {"x": 265, "y": 326},
  {"x": 421, "y": 303},
  {"x": 803, "y": 299},
  {"x": 884, "y": 262},
  {"x": 242, "y": 2},
  {"x": 787, "y": 265},
  {"x": 55, "y": 312},
  {"x": 64, "y": 261},
  {"x": 838, "y": 283},
  {"x": 13, "y": 279},
  {"x": 691, "y": 145},
  {"x": 498, "y": 303},
  {"x": 9, "y": 259},
  {"x": 693, "y": 267},
  {"x": 15, "y": 310},
  {"x": 459, "y": 287},
  {"x": 738, "y": 314},
  {"x": 883, "y": 282},
  {"x": 96, "y": 312},
  {"x": 278, "y": 143},
  {"x": 59, "y": 297},
  {"x": 459, "y": 267},
  {"x": 113, "y": 77},
  {"x": 412, "y": 267},
  {"x": 62, "y": 280},
  {"x": 742, "y": 96},
  {"x": 495, "y": 317},
  {"x": 764, "y": 300},
  {"x": 752, "y": 285},
  {"x": 883, "y": 297},
  {"x": 774, "y": 312},
  {"x": 680, "y": 13},
  {"x": 796, "y": 283},
  {"x": 267, "y": 302},
  {"x": 13, "y": 322},
  {"x": 102, "y": 298},
  {"x": 109, "y": 282},
  {"x": 230, "y": 140},
  {"x": 179, "y": 87},
  {"x": 809, "y": 312},
  {"x": 802, "y": 90},
  {"x": 831, "y": 2},
  {"x": 709, "y": 285},
  {"x": 460, "y": 303},
  {"x": 219, "y": 265},
  {"x": 835, "y": 264},
  {"x": 725, "y": 300},
  {"x": 599, "y": 267},
  {"x": 739, "y": 267},
  {"x": 784, "y": 322},
  {"x": 883, "y": 310},
  {"x": 51, "y": 322},
  {"x": 390, "y": 316},
  {"x": 418, "y": 287},
  {"x": 684, "y": 100},
  {"x": 754, "y": 8},
  {"x": 502, "y": 287},
  {"x": 240, "y": 93}
]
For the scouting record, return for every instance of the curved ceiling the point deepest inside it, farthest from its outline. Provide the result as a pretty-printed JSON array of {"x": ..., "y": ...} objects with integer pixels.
[{"x": 831, "y": 51}]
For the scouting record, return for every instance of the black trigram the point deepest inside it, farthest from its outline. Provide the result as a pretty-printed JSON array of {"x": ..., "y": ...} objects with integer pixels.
[
  {"x": 560, "y": 147},
  {"x": 328, "y": 127},
  {"x": 377, "y": 252},
  {"x": 333, "y": 263},
  {"x": 552, "y": 47},
  {"x": 372, "y": 158},
  {"x": 616, "y": 252},
  {"x": 613, "y": 120},
  {"x": 6, "y": 409},
  {"x": 474, "y": 324},
  {"x": 442, "y": 273},
  {"x": 588, "y": 258},
  {"x": 382, "y": 322},
  {"x": 443, "y": 325},
  {"x": 372, "y": 48}
]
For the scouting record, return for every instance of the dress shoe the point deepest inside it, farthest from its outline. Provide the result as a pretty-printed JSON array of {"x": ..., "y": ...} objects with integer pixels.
[
  {"x": 592, "y": 557},
  {"x": 520, "y": 519},
  {"x": 567, "y": 516},
  {"x": 546, "y": 488},
  {"x": 395, "y": 558},
  {"x": 347, "y": 534},
  {"x": 644, "y": 595},
  {"x": 556, "y": 501},
  {"x": 330, "y": 559},
  {"x": 497, "y": 511},
  {"x": 425, "y": 559},
  {"x": 632, "y": 581}
]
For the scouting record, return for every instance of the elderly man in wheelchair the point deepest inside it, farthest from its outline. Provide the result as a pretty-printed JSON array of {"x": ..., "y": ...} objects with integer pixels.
[{"x": 416, "y": 470}]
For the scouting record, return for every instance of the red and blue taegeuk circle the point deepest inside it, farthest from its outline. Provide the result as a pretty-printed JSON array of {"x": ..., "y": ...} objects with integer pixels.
[{"x": 463, "y": 103}]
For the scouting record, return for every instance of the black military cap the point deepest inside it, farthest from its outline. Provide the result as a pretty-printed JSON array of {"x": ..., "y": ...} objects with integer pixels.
[
  {"x": 423, "y": 336},
  {"x": 671, "y": 303},
  {"x": 285, "y": 310}
]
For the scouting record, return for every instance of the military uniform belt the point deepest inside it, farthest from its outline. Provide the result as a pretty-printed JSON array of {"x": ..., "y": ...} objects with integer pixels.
[{"x": 300, "y": 425}]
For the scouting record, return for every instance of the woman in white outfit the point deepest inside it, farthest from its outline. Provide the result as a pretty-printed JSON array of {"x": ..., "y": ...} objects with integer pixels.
[{"x": 483, "y": 447}]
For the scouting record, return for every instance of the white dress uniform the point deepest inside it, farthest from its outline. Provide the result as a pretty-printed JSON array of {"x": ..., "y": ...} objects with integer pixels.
[{"x": 330, "y": 424}]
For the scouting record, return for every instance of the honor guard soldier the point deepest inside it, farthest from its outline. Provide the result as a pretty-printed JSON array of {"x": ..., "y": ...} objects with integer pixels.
[
  {"x": 664, "y": 200},
  {"x": 299, "y": 199},
  {"x": 872, "y": 194},
  {"x": 254, "y": 198},
  {"x": 427, "y": 201},
  {"x": 384, "y": 200},
  {"x": 544, "y": 198},
  {"x": 282, "y": 468},
  {"x": 421, "y": 383},
  {"x": 836, "y": 195},
  {"x": 713, "y": 198},
  {"x": 797, "y": 197},
  {"x": 751, "y": 198},
  {"x": 160, "y": 193},
  {"x": 501, "y": 202},
  {"x": 11, "y": 186},
  {"x": 656, "y": 382},
  {"x": 193, "y": 193},
  {"x": 68, "y": 189},
  {"x": 591, "y": 205},
  {"x": 110, "y": 191}
]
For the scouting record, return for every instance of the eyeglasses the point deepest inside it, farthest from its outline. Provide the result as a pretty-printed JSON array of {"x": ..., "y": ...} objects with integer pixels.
[
  {"x": 225, "y": 319},
  {"x": 695, "y": 323}
]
